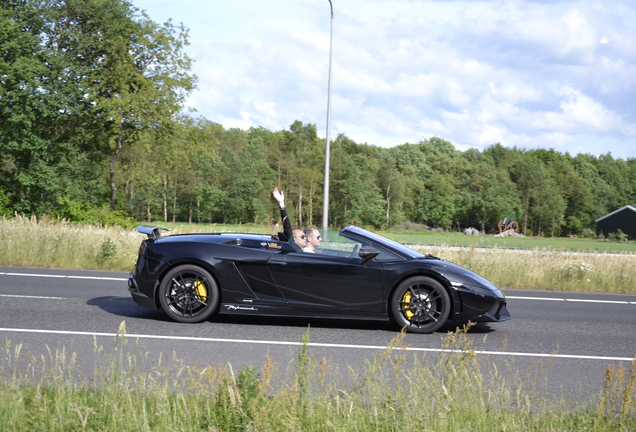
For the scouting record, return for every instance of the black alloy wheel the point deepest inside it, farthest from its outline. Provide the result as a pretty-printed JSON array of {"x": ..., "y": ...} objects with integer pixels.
[
  {"x": 421, "y": 304},
  {"x": 188, "y": 294}
]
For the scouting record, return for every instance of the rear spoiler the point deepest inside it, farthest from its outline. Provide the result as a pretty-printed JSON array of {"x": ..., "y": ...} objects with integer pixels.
[{"x": 153, "y": 233}]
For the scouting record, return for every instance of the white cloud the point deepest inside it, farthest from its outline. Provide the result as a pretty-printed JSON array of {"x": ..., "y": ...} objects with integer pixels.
[
  {"x": 243, "y": 123},
  {"x": 320, "y": 41},
  {"x": 526, "y": 73}
]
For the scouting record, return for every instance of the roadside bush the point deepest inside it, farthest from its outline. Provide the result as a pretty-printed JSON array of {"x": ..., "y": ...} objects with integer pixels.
[
  {"x": 617, "y": 236},
  {"x": 588, "y": 233},
  {"x": 74, "y": 211},
  {"x": 409, "y": 226},
  {"x": 5, "y": 210}
]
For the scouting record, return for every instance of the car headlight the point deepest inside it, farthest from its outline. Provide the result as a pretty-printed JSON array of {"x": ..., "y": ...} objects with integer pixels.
[{"x": 488, "y": 290}]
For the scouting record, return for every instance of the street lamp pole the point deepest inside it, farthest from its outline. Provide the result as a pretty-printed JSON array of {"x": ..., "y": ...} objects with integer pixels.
[{"x": 325, "y": 204}]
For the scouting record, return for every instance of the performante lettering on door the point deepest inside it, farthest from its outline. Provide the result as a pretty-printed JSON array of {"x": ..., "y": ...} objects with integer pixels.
[{"x": 234, "y": 308}]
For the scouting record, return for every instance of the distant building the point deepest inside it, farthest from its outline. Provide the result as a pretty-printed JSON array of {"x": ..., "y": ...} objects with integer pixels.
[{"x": 624, "y": 219}]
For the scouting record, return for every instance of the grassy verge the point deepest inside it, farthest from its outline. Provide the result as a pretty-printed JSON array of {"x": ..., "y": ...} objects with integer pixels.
[
  {"x": 456, "y": 390},
  {"x": 557, "y": 243},
  {"x": 31, "y": 242}
]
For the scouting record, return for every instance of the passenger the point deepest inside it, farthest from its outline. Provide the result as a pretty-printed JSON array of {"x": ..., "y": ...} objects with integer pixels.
[
  {"x": 287, "y": 228},
  {"x": 313, "y": 239}
]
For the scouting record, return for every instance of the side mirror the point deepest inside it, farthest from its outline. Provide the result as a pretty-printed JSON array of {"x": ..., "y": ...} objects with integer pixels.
[{"x": 367, "y": 253}]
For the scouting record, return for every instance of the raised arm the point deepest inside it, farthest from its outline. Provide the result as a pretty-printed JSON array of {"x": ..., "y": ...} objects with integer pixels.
[{"x": 287, "y": 228}]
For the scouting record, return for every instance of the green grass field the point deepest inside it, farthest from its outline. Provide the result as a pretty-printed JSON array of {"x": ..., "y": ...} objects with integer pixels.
[{"x": 556, "y": 243}]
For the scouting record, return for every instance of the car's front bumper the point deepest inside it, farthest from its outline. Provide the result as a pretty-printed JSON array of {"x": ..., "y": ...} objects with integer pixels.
[
  {"x": 479, "y": 304},
  {"x": 497, "y": 313}
]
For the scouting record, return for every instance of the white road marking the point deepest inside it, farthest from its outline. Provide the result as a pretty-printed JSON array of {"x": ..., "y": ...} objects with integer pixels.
[
  {"x": 570, "y": 300},
  {"x": 33, "y": 297},
  {"x": 534, "y": 298},
  {"x": 97, "y": 278},
  {"x": 65, "y": 276},
  {"x": 597, "y": 301},
  {"x": 311, "y": 344}
]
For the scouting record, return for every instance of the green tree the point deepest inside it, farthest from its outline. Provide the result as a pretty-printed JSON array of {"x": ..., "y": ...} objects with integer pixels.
[
  {"x": 5, "y": 209},
  {"x": 576, "y": 183},
  {"x": 46, "y": 142},
  {"x": 355, "y": 196},
  {"x": 529, "y": 175},
  {"x": 393, "y": 186},
  {"x": 80, "y": 80},
  {"x": 488, "y": 194},
  {"x": 140, "y": 77},
  {"x": 438, "y": 202}
]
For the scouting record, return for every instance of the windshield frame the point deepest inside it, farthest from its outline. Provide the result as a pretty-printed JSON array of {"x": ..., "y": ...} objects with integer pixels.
[{"x": 401, "y": 249}]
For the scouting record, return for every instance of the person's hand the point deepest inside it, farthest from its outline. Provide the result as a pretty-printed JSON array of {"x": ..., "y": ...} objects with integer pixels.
[{"x": 279, "y": 196}]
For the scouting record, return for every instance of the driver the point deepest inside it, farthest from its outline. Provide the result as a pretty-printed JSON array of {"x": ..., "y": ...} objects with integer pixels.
[{"x": 299, "y": 237}]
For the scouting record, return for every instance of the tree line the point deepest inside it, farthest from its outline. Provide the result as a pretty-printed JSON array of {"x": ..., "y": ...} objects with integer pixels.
[{"x": 91, "y": 117}]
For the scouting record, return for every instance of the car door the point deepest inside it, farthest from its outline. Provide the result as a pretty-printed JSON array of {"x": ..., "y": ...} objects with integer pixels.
[
  {"x": 252, "y": 262},
  {"x": 329, "y": 283}
]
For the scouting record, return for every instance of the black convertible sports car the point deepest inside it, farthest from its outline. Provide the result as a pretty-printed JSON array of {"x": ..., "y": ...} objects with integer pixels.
[{"x": 355, "y": 274}]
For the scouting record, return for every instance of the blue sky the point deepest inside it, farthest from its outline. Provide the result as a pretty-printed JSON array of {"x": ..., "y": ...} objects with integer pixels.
[{"x": 532, "y": 74}]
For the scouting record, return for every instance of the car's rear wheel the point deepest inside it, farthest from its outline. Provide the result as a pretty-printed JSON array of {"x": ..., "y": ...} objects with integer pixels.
[
  {"x": 188, "y": 294},
  {"x": 421, "y": 304}
]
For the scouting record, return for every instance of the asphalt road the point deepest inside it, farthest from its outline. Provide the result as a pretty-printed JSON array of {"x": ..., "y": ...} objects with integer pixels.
[{"x": 570, "y": 337}]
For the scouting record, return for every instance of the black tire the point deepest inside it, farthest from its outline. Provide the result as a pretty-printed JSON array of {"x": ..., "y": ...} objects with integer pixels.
[
  {"x": 188, "y": 294},
  {"x": 421, "y": 304}
]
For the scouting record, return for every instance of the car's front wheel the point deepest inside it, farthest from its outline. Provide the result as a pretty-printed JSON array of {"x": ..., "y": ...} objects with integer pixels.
[
  {"x": 421, "y": 304},
  {"x": 188, "y": 294}
]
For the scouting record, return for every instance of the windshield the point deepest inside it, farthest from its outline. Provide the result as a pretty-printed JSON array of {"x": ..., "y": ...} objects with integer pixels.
[{"x": 405, "y": 250}]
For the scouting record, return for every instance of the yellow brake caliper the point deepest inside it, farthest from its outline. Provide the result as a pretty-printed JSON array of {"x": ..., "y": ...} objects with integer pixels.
[
  {"x": 202, "y": 291},
  {"x": 406, "y": 301}
]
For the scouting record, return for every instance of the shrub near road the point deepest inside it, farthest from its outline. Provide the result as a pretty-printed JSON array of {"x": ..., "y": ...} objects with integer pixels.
[{"x": 31, "y": 242}]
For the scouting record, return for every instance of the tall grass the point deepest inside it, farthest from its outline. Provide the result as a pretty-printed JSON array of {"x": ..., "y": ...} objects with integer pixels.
[
  {"x": 456, "y": 390},
  {"x": 44, "y": 242}
]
